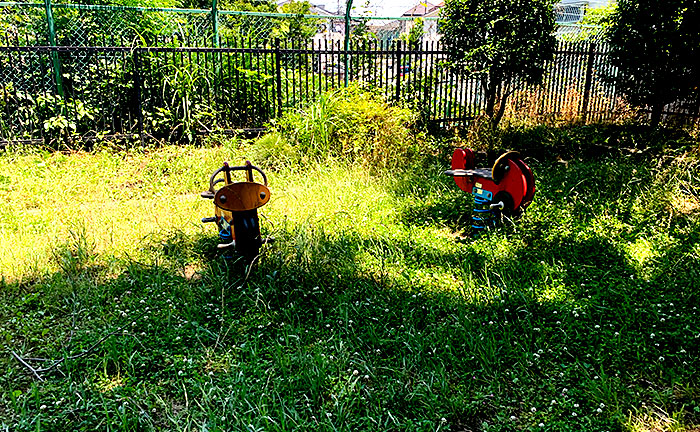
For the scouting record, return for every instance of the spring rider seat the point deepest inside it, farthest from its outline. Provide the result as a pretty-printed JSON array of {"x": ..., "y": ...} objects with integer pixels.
[
  {"x": 236, "y": 209},
  {"x": 506, "y": 189}
]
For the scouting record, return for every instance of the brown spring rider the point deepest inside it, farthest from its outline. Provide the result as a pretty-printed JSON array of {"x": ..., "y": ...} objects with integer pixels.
[{"x": 236, "y": 209}]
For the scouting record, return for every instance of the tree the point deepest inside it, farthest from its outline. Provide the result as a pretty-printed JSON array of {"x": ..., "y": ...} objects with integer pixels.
[
  {"x": 502, "y": 42},
  {"x": 656, "y": 45},
  {"x": 414, "y": 36},
  {"x": 297, "y": 29}
]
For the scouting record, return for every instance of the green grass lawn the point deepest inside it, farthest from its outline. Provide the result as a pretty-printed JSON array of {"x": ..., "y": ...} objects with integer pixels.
[{"x": 373, "y": 310}]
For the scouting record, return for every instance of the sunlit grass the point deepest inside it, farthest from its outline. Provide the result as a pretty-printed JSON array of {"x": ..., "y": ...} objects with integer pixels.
[
  {"x": 373, "y": 310},
  {"x": 116, "y": 201}
]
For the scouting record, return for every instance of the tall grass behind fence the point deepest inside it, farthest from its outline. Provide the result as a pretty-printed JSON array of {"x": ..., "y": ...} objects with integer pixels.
[
  {"x": 576, "y": 87},
  {"x": 176, "y": 92}
]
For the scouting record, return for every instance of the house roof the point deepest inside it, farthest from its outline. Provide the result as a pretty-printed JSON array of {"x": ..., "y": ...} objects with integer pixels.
[
  {"x": 422, "y": 9},
  {"x": 391, "y": 25}
]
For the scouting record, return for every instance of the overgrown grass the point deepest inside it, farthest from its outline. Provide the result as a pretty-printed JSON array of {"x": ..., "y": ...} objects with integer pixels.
[{"x": 372, "y": 311}]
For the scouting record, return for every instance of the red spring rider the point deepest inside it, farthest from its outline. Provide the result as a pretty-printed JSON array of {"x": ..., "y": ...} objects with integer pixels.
[{"x": 505, "y": 189}]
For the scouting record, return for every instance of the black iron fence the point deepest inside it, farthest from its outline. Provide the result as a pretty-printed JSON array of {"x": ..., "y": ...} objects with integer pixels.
[{"x": 177, "y": 93}]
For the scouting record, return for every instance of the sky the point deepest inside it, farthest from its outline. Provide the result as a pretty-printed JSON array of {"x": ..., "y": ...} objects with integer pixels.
[{"x": 388, "y": 8}]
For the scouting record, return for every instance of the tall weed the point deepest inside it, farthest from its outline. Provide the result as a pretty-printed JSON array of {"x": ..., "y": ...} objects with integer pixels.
[{"x": 351, "y": 123}]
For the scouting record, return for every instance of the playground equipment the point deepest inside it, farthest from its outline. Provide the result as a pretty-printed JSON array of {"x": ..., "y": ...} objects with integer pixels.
[
  {"x": 236, "y": 209},
  {"x": 505, "y": 189}
]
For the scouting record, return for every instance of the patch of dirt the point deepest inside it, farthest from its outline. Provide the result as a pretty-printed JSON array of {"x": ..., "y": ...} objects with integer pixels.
[
  {"x": 192, "y": 272},
  {"x": 686, "y": 205}
]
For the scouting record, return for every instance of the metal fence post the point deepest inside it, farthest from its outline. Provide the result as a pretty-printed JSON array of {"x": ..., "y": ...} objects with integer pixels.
[
  {"x": 346, "y": 58},
  {"x": 398, "y": 70},
  {"x": 54, "y": 53},
  {"x": 216, "y": 57},
  {"x": 137, "y": 88},
  {"x": 215, "y": 23},
  {"x": 278, "y": 76},
  {"x": 588, "y": 81}
]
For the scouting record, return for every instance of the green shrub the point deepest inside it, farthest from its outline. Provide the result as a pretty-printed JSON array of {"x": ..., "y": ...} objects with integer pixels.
[
  {"x": 354, "y": 124},
  {"x": 273, "y": 150}
]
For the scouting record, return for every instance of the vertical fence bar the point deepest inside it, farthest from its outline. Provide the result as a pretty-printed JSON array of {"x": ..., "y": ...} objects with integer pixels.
[
  {"x": 587, "y": 83},
  {"x": 346, "y": 58},
  {"x": 52, "y": 42},
  {"x": 278, "y": 77},
  {"x": 398, "y": 70},
  {"x": 137, "y": 88}
]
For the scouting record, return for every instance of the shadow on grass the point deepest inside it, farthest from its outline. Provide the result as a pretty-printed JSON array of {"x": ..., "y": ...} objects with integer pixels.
[{"x": 336, "y": 331}]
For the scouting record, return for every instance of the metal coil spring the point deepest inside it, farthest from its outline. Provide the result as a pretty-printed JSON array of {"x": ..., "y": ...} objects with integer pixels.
[{"x": 482, "y": 215}]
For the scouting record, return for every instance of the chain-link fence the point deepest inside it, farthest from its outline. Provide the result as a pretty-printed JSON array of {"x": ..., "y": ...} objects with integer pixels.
[
  {"x": 30, "y": 24},
  {"x": 70, "y": 71}
]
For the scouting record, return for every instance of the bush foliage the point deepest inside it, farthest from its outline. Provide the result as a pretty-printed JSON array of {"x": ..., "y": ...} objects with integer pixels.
[{"x": 354, "y": 124}]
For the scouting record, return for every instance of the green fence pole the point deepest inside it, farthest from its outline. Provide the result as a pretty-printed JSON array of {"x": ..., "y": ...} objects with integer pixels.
[
  {"x": 215, "y": 23},
  {"x": 216, "y": 57},
  {"x": 54, "y": 53},
  {"x": 347, "y": 42}
]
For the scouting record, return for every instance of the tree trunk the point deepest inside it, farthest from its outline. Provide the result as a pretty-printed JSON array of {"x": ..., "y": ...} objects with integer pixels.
[
  {"x": 496, "y": 119},
  {"x": 490, "y": 94}
]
